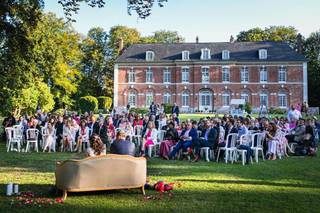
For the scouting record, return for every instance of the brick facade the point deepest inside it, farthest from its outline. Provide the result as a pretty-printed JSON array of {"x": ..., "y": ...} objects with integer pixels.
[{"x": 209, "y": 96}]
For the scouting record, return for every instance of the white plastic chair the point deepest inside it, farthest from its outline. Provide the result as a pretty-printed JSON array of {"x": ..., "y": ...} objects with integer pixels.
[
  {"x": 244, "y": 140},
  {"x": 207, "y": 153},
  {"x": 9, "y": 137},
  {"x": 32, "y": 137},
  {"x": 229, "y": 149},
  {"x": 18, "y": 133},
  {"x": 137, "y": 134},
  {"x": 257, "y": 145}
]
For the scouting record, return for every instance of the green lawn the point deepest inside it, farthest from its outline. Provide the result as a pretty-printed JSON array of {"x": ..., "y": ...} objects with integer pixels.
[{"x": 289, "y": 185}]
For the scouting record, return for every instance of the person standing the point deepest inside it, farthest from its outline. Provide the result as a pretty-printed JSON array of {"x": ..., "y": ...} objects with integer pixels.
[
  {"x": 175, "y": 109},
  {"x": 153, "y": 108}
]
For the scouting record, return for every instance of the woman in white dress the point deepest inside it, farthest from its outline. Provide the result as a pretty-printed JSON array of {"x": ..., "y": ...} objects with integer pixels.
[
  {"x": 68, "y": 136},
  {"x": 97, "y": 148},
  {"x": 83, "y": 135},
  {"x": 49, "y": 137}
]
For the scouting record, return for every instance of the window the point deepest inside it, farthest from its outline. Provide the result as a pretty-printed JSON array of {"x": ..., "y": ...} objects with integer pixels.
[
  {"x": 263, "y": 54},
  {"x": 166, "y": 98},
  {"x": 225, "y": 55},
  {"x": 282, "y": 99},
  {"x": 282, "y": 74},
  {"x": 185, "y": 75},
  {"x": 225, "y": 74},
  {"x": 131, "y": 76},
  {"x": 149, "y": 76},
  {"x": 205, "y": 54},
  {"x": 149, "y": 56},
  {"x": 263, "y": 74},
  {"x": 132, "y": 99},
  {"x": 185, "y": 55},
  {"x": 185, "y": 99},
  {"x": 166, "y": 76},
  {"x": 205, "y": 98},
  {"x": 244, "y": 75},
  {"x": 149, "y": 98},
  {"x": 245, "y": 96},
  {"x": 225, "y": 98},
  {"x": 264, "y": 99},
  {"x": 205, "y": 74}
]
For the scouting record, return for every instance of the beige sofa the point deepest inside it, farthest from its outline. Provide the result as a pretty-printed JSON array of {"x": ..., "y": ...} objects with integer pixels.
[{"x": 101, "y": 173}]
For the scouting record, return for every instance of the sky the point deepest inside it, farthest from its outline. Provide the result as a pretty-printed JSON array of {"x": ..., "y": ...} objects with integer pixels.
[{"x": 210, "y": 20}]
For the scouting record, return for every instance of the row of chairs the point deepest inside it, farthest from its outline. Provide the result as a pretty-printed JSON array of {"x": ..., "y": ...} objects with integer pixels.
[{"x": 15, "y": 138}]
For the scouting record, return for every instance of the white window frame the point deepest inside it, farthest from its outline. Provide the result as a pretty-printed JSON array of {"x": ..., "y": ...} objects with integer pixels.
[
  {"x": 245, "y": 95},
  {"x": 244, "y": 74},
  {"x": 282, "y": 100},
  {"x": 225, "y": 55},
  {"x": 149, "y": 75},
  {"x": 205, "y": 74},
  {"x": 132, "y": 98},
  {"x": 263, "y": 74},
  {"x": 166, "y": 76},
  {"x": 185, "y": 75},
  {"x": 185, "y": 55},
  {"x": 131, "y": 76},
  {"x": 263, "y": 54},
  {"x": 149, "y": 56},
  {"x": 225, "y": 68},
  {"x": 166, "y": 98},
  {"x": 282, "y": 74},
  {"x": 149, "y": 98},
  {"x": 264, "y": 94},
  {"x": 185, "y": 99},
  {"x": 205, "y": 54},
  {"x": 225, "y": 102}
]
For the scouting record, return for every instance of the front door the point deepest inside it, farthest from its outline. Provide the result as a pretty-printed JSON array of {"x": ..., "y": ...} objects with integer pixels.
[{"x": 205, "y": 101}]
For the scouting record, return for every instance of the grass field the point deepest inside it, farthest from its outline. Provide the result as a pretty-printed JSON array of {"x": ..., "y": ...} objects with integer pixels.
[{"x": 288, "y": 185}]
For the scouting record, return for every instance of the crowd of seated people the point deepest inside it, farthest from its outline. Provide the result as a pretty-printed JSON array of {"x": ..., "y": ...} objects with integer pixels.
[{"x": 119, "y": 133}]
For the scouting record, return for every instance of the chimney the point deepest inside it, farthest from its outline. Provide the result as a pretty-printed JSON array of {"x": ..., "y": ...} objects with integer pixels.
[
  {"x": 120, "y": 44},
  {"x": 232, "y": 39},
  {"x": 197, "y": 39},
  {"x": 299, "y": 44}
]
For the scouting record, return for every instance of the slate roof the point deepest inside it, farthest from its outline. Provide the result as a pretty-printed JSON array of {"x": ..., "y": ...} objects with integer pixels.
[{"x": 239, "y": 51}]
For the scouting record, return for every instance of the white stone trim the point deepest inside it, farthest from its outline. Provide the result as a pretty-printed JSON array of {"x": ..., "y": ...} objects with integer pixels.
[
  {"x": 218, "y": 83},
  {"x": 115, "y": 85},
  {"x": 305, "y": 82}
]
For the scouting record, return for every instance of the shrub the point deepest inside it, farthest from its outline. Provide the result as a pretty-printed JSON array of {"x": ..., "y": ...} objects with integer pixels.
[
  {"x": 277, "y": 111},
  {"x": 168, "y": 108},
  {"x": 88, "y": 103},
  {"x": 104, "y": 102},
  {"x": 248, "y": 108},
  {"x": 139, "y": 110}
]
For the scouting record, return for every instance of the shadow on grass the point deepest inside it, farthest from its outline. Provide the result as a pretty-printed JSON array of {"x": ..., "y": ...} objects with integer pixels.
[{"x": 258, "y": 183}]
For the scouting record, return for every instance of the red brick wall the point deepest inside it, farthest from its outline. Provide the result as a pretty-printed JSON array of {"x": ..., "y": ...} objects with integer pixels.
[{"x": 293, "y": 87}]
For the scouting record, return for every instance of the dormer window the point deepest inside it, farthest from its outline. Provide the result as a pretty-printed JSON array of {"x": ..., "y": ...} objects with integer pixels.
[
  {"x": 263, "y": 54},
  {"x": 205, "y": 54},
  {"x": 185, "y": 55},
  {"x": 225, "y": 55},
  {"x": 149, "y": 56}
]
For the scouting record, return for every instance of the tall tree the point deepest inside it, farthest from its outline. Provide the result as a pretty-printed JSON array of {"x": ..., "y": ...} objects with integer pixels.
[
  {"x": 163, "y": 36},
  {"x": 312, "y": 52},
  {"x": 272, "y": 33},
  {"x": 94, "y": 63}
]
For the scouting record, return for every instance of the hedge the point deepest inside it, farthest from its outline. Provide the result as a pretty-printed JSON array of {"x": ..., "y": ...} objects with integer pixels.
[
  {"x": 104, "y": 102},
  {"x": 139, "y": 110},
  {"x": 88, "y": 104}
]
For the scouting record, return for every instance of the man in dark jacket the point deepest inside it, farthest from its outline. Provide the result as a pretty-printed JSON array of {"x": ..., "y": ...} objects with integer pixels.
[
  {"x": 175, "y": 109},
  {"x": 187, "y": 139},
  {"x": 121, "y": 146},
  {"x": 210, "y": 138}
]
